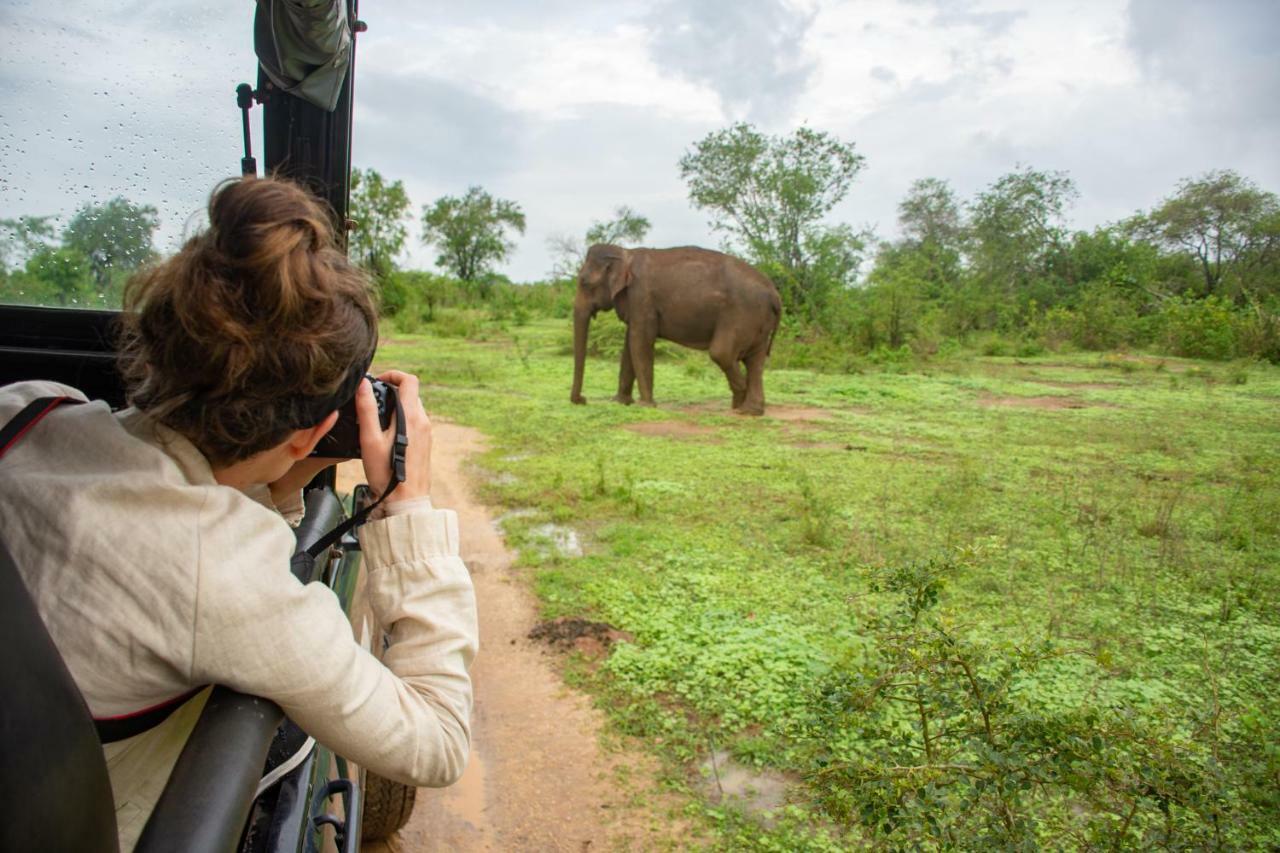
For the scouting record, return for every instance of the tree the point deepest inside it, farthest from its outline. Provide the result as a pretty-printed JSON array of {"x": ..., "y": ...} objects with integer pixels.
[
  {"x": 470, "y": 231},
  {"x": 113, "y": 236},
  {"x": 21, "y": 238},
  {"x": 930, "y": 214},
  {"x": 1107, "y": 256},
  {"x": 54, "y": 276},
  {"x": 1018, "y": 228},
  {"x": 627, "y": 228},
  {"x": 933, "y": 228},
  {"x": 771, "y": 193},
  {"x": 894, "y": 292},
  {"x": 1229, "y": 226},
  {"x": 379, "y": 209}
]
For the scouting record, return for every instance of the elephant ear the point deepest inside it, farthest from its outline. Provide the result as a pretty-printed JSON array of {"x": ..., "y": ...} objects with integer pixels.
[{"x": 623, "y": 277}]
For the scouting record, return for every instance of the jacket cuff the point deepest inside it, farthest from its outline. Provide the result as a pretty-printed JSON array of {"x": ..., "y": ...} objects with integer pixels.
[
  {"x": 391, "y": 508},
  {"x": 410, "y": 537}
]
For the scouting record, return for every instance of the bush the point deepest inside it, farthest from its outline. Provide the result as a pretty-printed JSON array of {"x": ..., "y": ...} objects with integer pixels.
[
  {"x": 1102, "y": 318},
  {"x": 1199, "y": 328},
  {"x": 418, "y": 294},
  {"x": 811, "y": 347},
  {"x": 1258, "y": 334}
]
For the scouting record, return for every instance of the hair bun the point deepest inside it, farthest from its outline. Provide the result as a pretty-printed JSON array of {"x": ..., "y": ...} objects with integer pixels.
[{"x": 261, "y": 307}]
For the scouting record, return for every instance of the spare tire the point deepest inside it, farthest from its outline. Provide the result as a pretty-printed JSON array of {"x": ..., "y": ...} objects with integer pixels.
[{"x": 387, "y": 806}]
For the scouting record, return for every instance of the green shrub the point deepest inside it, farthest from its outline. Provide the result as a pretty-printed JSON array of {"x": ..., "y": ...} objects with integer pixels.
[
  {"x": 1101, "y": 318},
  {"x": 419, "y": 294},
  {"x": 1199, "y": 328},
  {"x": 1258, "y": 334}
]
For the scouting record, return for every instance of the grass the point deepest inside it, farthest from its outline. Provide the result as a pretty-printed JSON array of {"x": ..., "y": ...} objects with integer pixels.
[{"x": 1097, "y": 535}]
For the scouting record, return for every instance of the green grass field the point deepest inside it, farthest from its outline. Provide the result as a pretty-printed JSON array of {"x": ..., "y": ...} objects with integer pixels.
[{"x": 981, "y": 602}]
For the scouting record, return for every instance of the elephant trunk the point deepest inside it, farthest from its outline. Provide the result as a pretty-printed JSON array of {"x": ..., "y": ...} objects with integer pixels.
[{"x": 581, "y": 323}]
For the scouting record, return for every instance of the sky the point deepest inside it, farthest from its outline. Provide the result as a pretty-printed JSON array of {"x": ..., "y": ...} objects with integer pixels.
[{"x": 571, "y": 108}]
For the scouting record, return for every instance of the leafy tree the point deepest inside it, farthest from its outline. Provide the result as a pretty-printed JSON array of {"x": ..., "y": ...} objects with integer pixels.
[
  {"x": 895, "y": 293},
  {"x": 771, "y": 193},
  {"x": 379, "y": 209},
  {"x": 833, "y": 255},
  {"x": 113, "y": 236},
  {"x": 1018, "y": 228},
  {"x": 1229, "y": 226},
  {"x": 21, "y": 238},
  {"x": 54, "y": 276},
  {"x": 1107, "y": 256},
  {"x": 470, "y": 232},
  {"x": 933, "y": 228},
  {"x": 627, "y": 228}
]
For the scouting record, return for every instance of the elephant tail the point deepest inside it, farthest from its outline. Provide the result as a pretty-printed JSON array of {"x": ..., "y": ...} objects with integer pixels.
[{"x": 775, "y": 306}]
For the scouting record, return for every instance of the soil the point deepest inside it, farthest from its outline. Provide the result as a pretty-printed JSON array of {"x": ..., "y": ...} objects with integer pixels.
[
  {"x": 802, "y": 414},
  {"x": 787, "y": 413},
  {"x": 538, "y": 778}
]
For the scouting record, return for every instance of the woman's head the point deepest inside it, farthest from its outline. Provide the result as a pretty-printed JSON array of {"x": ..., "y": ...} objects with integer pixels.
[{"x": 259, "y": 326}]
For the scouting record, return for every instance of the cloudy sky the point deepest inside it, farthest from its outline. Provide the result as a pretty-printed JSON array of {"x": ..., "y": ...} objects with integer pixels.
[{"x": 571, "y": 108}]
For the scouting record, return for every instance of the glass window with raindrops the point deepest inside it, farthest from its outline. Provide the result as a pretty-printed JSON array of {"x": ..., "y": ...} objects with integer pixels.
[{"x": 116, "y": 120}]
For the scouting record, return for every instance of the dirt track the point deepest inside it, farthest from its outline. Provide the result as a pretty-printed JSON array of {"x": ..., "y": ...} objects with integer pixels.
[{"x": 538, "y": 778}]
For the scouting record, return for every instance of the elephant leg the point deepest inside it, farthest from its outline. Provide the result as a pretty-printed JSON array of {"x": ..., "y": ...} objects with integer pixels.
[
  {"x": 626, "y": 375},
  {"x": 723, "y": 354},
  {"x": 753, "y": 404},
  {"x": 640, "y": 342}
]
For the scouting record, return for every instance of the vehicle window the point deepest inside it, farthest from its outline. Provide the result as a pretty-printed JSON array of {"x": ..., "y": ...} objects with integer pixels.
[{"x": 115, "y": 122}]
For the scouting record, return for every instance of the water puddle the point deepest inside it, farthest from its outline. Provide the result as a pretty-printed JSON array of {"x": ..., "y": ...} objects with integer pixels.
[
  {"x": 759, "y": 792},
  {"x": 563, "y": 539}
]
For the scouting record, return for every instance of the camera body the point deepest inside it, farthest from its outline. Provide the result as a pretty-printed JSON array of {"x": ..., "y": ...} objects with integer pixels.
[{"x": 343, "y": 441}]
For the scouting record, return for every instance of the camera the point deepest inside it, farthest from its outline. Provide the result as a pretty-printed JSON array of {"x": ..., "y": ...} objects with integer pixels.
[{"x": 343, "y": 441}]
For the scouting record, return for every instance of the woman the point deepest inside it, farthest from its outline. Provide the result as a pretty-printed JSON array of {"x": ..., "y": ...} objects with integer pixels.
[{"x": 155, "y": 541}]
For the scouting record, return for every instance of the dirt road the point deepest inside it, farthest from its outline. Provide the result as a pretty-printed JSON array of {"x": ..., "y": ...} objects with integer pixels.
[{"x": 538, "y": 778}]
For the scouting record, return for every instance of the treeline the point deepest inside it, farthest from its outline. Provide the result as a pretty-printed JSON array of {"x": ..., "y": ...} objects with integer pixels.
[
  {"x": 1198, "y": 275},
  {"x": 84, "y": 264},
  {"x": 1002, "y": 272}
]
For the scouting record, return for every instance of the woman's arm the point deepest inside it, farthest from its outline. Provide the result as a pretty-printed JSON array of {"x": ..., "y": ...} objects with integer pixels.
[{"x": 260, "y": 631}]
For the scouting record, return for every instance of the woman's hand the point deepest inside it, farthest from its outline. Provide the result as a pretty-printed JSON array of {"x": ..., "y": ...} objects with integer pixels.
[{"x": 375, "y": 442}]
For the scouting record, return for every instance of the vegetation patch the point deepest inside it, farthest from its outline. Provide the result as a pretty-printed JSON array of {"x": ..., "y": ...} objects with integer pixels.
[
  {"x": 1067, "y": 644},
  {"x": 673, "y": 429},
  {"x": 1051, "y": 403}
]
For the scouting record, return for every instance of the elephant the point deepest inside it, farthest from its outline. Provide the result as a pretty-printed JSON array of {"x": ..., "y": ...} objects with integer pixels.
[{"x": 695, "y": 297}]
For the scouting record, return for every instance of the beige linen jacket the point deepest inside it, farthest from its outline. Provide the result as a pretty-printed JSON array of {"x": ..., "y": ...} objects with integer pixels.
[{"x": 153, "y": 579}]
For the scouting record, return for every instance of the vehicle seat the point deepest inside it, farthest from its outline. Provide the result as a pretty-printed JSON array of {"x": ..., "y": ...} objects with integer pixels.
[{"x": 57, "y": 793}]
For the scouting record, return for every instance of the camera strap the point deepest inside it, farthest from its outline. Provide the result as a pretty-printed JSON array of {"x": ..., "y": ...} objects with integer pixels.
[{"x": 398, "y": 448}]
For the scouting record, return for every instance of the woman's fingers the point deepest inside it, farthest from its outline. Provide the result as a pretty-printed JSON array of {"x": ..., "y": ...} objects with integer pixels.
[{"x": 417, "y": 427}]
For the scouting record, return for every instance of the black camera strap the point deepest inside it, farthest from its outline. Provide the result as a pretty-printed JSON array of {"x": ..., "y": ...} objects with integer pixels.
[{"x": 398, "y": 448}]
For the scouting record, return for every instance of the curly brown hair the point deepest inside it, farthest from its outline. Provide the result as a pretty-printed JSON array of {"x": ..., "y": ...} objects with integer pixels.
[{"x": 253, "y": 329}]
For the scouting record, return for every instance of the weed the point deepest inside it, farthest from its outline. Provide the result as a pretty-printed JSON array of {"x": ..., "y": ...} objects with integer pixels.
[{"x": 816, "y": 513}]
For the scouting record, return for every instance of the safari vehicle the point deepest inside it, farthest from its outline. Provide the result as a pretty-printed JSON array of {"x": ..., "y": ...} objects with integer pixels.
[{"x": 248, "y": 779}]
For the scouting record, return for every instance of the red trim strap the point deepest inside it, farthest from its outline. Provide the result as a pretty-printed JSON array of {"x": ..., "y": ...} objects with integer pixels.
[
  {"x": 32, "y": 414},
  {"x": 123, "y": 726}
]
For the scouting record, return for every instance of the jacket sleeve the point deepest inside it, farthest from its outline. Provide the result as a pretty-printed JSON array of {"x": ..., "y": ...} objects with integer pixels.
[{"x": 407, "y": 717}]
